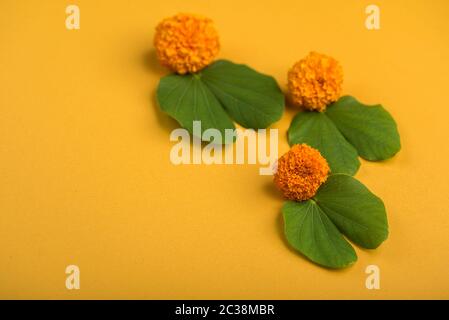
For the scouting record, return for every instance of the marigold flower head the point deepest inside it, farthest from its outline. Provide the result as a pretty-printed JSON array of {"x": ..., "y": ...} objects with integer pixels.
[
  {"x": 300, "y": 172},
  {"x": 315, "y": 81},
  {"x": 186, "y": 43}
]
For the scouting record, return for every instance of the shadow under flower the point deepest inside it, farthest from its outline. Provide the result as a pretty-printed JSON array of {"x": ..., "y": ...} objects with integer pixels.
[{"x": 151, "y": 63}]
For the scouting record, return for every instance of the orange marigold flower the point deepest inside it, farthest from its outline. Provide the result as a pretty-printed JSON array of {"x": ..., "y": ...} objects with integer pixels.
[
  {"x": 186, "y": 43},
  {"x": 300, "y": 172},
  {"x": 315, "y": 81}
]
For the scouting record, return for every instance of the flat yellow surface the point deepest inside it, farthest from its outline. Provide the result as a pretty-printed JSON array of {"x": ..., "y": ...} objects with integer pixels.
[{"x": 85, "y": 176}]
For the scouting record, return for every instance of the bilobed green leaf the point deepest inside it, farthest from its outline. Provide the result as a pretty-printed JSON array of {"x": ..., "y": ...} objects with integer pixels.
[
  {"x": 370, "y": 129},
  {"x": 186, "y": 98},
  {"x": 319, "y": 132},
  {"x": 356, "y": 212},
  {"x": 342, "y": 206},
  {"x": 252, "y": 99},
  {"x": 309, "y": 230},
  {"x": 222, "y": 91}
]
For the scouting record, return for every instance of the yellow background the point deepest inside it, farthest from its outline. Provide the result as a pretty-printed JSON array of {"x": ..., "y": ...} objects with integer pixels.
[{"x": 85, "y": 176}]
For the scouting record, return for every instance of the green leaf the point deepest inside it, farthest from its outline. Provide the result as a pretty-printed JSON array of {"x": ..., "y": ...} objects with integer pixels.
[
  {"x": 356, "y": 212},
  {"x": 252, "y": 99},
  {"x": 370, "y": 129},
  {"x": 186, "y": 98},
  {"x": 309, "y": 230},
  {"x": 342, "y": 206},
  {"x": 222, "y": 91},
  {"x": 318, "y": 131}
]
